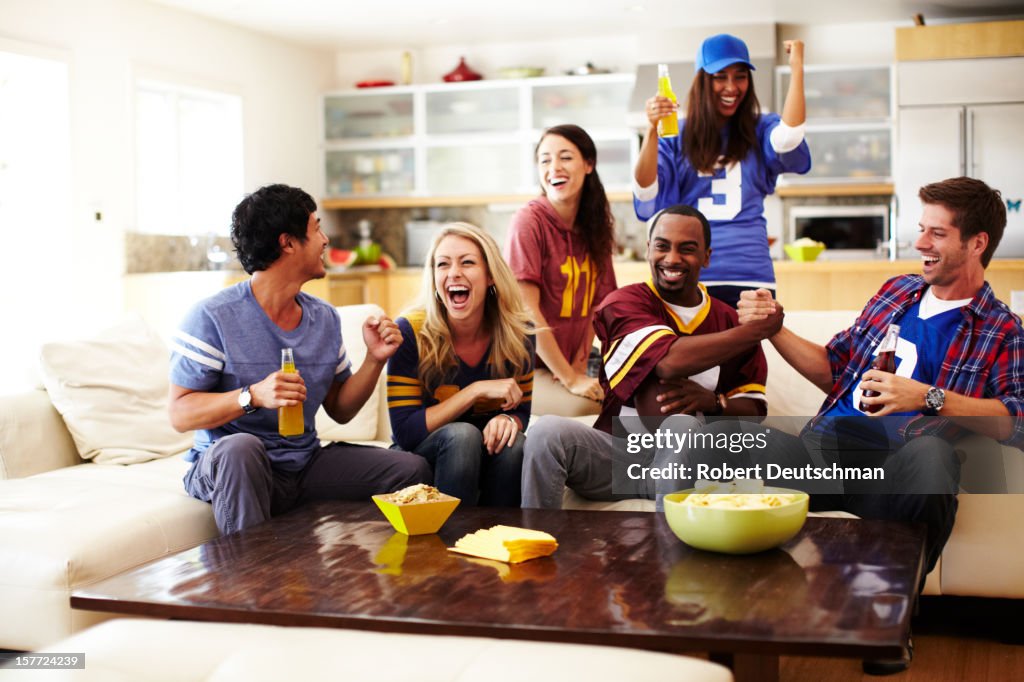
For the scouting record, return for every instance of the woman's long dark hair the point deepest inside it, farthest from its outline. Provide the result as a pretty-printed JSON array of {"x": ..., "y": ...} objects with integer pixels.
[
  {"x": 594, "y": 215},
  {"x": 702, "y": 137}
]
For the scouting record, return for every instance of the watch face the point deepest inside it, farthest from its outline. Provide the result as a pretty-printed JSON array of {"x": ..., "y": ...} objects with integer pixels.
[{"x": 935, "y": 398}]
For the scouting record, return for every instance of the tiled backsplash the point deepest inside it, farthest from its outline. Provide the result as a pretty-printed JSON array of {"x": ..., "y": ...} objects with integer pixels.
[
  {"x": 388, "y": 225},
  {"x": 173, "y": 253},
  {"x": 170, "y": 253}
]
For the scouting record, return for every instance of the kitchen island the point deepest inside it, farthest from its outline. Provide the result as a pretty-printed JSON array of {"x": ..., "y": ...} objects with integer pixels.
[
  {"x": 846, "y": 285},
  {"x": 164, "y": 297}
]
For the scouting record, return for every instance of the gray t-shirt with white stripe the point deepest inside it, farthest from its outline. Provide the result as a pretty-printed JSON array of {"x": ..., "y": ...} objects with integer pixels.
[{"x": 227, "y": 341}]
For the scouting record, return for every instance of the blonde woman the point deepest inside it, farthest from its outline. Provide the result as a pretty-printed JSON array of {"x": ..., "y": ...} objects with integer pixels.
[{"x": 460, "y": 385}]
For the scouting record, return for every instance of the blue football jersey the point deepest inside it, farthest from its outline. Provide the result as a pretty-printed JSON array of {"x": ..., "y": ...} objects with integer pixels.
[
  {"x": 922, "y": 345},
  {"x": 732, "y": 199}
]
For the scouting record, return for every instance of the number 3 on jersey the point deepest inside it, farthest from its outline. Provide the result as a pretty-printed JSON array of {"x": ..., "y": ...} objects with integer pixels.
[
  {"x": 572, "y": 271},
  {"x": 730, "y": 187}
]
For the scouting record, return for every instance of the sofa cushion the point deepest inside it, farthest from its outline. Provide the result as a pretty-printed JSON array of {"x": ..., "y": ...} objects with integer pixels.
[
  {"x": 132, "y": 649},
  {"x": 363, "y": 426},
  {"x": 73, "y": 526},
  {"x": 789, "y": 394},
  {"x": 33, "y": 438},
  {"x": 111, "y": 391}
]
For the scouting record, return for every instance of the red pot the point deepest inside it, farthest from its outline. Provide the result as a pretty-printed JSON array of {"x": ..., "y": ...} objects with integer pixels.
[{"x": 461, "y": 73}]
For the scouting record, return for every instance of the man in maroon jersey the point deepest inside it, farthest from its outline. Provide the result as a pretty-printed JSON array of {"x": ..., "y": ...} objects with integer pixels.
[{"x": 668, "y": 348}]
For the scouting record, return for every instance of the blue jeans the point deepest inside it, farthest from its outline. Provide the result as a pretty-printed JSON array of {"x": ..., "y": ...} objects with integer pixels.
[{"x": 464, "y": 469}]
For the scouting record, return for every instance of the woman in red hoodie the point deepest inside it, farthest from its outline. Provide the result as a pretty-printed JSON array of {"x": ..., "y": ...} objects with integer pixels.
[{"x": 560, "y": 249}]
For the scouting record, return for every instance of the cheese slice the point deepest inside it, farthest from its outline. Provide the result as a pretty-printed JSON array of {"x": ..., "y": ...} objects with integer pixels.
[{"x": 506, "y": 543}]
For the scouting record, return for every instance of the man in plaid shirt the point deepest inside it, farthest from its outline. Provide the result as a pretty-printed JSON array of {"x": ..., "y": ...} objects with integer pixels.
[{"x": 960, "y": 356}]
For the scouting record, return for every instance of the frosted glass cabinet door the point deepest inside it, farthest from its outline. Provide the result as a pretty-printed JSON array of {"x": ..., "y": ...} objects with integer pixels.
[
  {"x": 473, "y": 111},
  {"x": 862, "y": 93},
  {"x": 588, "y": 105},
  {"x": 850, "y": 154},
  {"x": 931, "y": 147},
  {"x": 475, "y": 169},
  {"x": 369, "y": 171},
  {"x": 614, "y": 164},
  {"x": 367, "y": 116}
]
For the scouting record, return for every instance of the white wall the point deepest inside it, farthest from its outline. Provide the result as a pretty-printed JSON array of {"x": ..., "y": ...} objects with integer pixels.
[
  {"x": 681, "y": 44},
  {"x": 864, "y": 43},
  {"x": 867, "y": 43},
  {"x": 107, "y": 44},
  {"x": 617, "y": 53}
]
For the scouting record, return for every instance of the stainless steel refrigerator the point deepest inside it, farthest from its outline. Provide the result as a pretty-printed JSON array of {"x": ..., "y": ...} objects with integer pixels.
[{"x": 960, "y": 117}]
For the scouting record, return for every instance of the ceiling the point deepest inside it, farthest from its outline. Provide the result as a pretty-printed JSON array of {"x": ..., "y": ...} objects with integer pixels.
[{"x": 355, "y": 25}]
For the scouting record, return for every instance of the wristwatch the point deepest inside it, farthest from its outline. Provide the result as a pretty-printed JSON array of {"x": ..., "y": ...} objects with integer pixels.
[
  {"x": 934, "y": 399},
  {"x": 722, "y": 403},
  {"x": 245, "y": 401}
]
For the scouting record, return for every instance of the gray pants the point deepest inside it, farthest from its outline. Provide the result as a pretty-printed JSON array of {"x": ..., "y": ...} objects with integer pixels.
[
  {"x": 236, "y": 477},
  {"x": 564, "y": 453}
]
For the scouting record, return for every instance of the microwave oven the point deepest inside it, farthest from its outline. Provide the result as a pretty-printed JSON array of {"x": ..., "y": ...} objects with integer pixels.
[{"x": 848, "y": 232}]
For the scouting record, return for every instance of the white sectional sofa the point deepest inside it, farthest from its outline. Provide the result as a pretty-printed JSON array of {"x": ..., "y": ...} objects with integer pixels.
[{"x": 65, "y": 523}]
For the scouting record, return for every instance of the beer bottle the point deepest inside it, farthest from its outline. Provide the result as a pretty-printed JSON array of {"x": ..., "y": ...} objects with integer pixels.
[
  {"x": 289, "y": 418},
  {"x": 668, "y": 126},
  {"x": 885, "y": 361}
]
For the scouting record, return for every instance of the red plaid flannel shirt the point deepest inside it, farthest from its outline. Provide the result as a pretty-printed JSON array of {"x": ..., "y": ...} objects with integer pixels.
[{"x": 984, "y": 360}]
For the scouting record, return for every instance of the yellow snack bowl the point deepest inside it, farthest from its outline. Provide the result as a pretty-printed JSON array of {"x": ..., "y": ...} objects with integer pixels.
[
  {"x": 418, "y": 518},
  {"x": 735, "y": 531},
  {"x": 803, "y": 253}
]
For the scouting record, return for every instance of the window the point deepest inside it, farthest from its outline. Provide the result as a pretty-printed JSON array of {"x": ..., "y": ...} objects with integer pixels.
[
  {"x": 189, "y": 159},
  {"x": 35, "y": 209}
]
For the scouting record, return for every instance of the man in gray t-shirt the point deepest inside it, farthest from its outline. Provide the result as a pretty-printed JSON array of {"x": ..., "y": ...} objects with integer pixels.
[{"x": 227, "y": 383}]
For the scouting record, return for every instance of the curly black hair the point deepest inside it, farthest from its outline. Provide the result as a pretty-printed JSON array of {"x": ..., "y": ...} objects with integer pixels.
[{"x": 262, "y": 217}]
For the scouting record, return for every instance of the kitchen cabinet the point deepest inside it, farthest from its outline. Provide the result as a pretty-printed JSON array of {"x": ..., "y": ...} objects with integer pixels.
[
  {"x": 961, "y": 117},
  {"x": 467, "y": 139},
  {"x": 849, "y": 122}
]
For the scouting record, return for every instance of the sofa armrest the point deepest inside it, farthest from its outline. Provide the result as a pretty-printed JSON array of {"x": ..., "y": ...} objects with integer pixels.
[{"x": 33, "y": 438}]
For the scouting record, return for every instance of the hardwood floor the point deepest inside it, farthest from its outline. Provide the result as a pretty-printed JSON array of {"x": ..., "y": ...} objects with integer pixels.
[{"x": 956, "y": 639}]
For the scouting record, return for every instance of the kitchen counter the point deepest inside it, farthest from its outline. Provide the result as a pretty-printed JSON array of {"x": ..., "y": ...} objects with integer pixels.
[
  {"x": 163, "y": 298},
  {"x": 845, "y": 285}
]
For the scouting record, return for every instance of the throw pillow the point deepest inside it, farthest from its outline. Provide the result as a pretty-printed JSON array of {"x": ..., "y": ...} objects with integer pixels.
[
  {"x": 363, "y": 426},
  {"x": 111, "y": 391}
]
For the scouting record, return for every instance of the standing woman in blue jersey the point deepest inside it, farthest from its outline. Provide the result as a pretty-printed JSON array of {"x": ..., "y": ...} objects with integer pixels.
[{"x": 725, "y": 160}]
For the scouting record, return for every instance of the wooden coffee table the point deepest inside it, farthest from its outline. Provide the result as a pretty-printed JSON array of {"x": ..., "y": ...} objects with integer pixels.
[{"x": 842, "y": 587}]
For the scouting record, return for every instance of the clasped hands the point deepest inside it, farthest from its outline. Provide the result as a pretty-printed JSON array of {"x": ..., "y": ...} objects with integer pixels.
[
  {"x": 760, "y": 313},
  {"x": 502, "y": 429}
]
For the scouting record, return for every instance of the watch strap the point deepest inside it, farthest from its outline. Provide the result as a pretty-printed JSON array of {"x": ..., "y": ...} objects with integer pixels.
[{"x": 245, "y": 400}]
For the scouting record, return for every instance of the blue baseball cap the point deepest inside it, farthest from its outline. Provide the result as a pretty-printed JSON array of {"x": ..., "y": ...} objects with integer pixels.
[{"x": 720, "y": 51}]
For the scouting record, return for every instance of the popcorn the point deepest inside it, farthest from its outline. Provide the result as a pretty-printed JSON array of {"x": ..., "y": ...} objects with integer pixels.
[
  {"x": 414, "y": 494},
  {"x": 739, "y": 494}
]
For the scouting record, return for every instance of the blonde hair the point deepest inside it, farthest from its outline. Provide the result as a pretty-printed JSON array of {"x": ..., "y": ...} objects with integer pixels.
[{"x": 505, "y": 315}]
